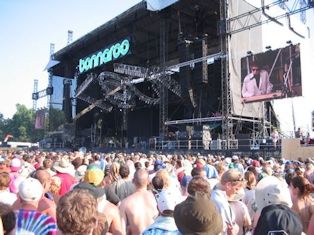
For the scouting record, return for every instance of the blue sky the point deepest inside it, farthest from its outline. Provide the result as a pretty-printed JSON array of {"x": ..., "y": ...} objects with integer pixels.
[{"x": 28, "y": 28}]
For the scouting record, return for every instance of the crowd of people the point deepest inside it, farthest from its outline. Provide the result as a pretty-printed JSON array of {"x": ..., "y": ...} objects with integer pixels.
[{"x": 137, "y": 193}]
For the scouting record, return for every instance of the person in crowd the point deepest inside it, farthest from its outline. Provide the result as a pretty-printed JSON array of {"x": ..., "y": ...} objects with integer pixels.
[
  {"x": 55, "y": 186},
  {"x": 8, "y": 218},
  {"x": 303, "y": 203},
  {"x": 230, "y": 188},
  {"x": 164, "y": 223},
  {"x": 5, "y": 195},
  {"x": 309, "y": 170},
  {"x": 92, "y": 182},
  {"x": 65, "y": 171},
  {"x": 77, "y": 213},
  {"x": 257, "y": 82},
  {"x": 47, "y": 165},
  {"x": 29, "y": 219},
  {"x": 237, "y": 164},
  {"x": 123, "y": 187},
  {"x": 138, "y": 210},
  {"x": 16, "y": 178},
  {"x": 274, "y": 213},
  {"x": 46, "y": 204},
  {"x": 197, "y": 214},
  {"x": 249, "y": 196},
  {"x": 113, "y": 174}
]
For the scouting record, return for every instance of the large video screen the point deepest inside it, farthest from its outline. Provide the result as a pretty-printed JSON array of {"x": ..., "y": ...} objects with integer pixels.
[{"x": 274, "y": 74}]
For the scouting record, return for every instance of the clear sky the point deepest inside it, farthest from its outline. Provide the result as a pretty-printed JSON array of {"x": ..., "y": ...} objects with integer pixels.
[{"x": 28, "y": 28}]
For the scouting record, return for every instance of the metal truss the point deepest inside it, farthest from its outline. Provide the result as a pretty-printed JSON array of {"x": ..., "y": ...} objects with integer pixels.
[
  {"x": 250, "y": 19},
  {"x": 227, "y": 123}
]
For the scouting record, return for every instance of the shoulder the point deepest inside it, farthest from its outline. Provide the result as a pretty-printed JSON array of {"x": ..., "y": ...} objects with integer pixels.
[{"x": 248, "y": 77}]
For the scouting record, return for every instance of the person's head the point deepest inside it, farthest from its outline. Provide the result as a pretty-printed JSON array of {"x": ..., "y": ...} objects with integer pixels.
[
  {"x": 233, "y": 182},
  {"x": 44, "y": 178},
  {"x": 158, "y": 183},
  {"x": 198, "y": 184},
  {"x": 301, "y": 187},
  {"x": 124, "y": 171},
  {"x": 55, "y": 185},
  {"x": 278, "y": 219},
  {"x": 166, "y": 202},
  {"x": 8, "y": 219},
  {"x": 30, "y": 191},
  {"x": 255, "y": 68},
  {"x": 114, "y": 171},
  {"x": 197, "y": 171},
  {"x": 164, "y": 175},
  {"x": 94, "y": 175},
  {"x": 141, "y": 179},
  {"x": 250, "y": 178},
  {"x": 47, "y": 163},
  {"x": 77, "y": 213},
  {"x": 198, "y": 215},
  {"x": 138, "y": 165},
  {"x": 271, "y": 190},
  {"x": 4, "y": 180}
]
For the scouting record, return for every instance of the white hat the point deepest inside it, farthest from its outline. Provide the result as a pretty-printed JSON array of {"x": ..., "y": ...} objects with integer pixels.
[
  {"x": 271, "y": 190},
  {"x": 235, "y": 157},
  {"x": 15, "y": 164},
  {"x": 167, "y": 200},
  {"x": 228, "y": 160},
  {"x": 30, "y": 190},
  {"x": 64, "y": 166}
]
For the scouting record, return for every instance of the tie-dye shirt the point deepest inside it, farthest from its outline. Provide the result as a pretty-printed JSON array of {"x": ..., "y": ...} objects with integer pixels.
[{"x": 34, "y": 222}]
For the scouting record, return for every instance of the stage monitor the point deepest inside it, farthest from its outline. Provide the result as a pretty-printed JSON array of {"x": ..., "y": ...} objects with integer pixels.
[{"x": 274, "y": 74}]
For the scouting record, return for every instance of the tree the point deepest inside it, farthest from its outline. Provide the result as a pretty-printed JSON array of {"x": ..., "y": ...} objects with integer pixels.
[{"x": 21, "y": 126}]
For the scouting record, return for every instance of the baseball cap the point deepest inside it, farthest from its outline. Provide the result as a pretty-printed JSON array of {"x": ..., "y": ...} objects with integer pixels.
[
  {"x": 167, "y": 200},
  {"x": 94, "y": 175},
  {"x": 30, "y": 190}
]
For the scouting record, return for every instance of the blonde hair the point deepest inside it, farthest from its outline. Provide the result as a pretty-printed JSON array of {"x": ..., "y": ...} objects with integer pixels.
[{"x": 164, "y": 175}]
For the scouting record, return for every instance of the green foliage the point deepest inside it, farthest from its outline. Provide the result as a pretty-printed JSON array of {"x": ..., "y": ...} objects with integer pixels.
[{"x": 21, "y": 126}]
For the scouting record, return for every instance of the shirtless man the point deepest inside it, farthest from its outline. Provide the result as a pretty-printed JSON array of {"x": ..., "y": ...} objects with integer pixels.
[{"x": 140, "y": 208}]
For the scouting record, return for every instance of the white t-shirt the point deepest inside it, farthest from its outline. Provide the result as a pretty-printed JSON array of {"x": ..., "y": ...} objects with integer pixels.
[{"x": 7, "y": 197}]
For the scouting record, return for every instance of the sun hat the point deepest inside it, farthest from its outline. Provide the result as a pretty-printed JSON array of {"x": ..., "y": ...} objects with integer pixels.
[
  {"x": 271, "y": 190},
  {"x": 30, "y": 190},
  {"x": 198, "y": 215},
  {"x": 64, "y": 166}
]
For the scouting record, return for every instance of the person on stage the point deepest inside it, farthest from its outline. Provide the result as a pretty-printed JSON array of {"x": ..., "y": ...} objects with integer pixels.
[{"x": 257, "y": 82}]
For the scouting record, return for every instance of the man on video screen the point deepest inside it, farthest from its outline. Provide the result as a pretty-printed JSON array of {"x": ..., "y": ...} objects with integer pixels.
[{"x": 257, "y": 82}]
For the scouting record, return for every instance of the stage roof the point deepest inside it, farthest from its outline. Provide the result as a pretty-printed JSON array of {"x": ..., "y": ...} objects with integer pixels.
[{"x": 191, "y": 19}]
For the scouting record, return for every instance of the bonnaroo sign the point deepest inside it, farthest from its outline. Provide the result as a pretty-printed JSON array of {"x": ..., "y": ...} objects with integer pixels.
[{"x": 104, "y": 56}]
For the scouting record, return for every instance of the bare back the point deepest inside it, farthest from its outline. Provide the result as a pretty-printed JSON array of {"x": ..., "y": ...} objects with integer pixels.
[{"x": 138, "y": 211}]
